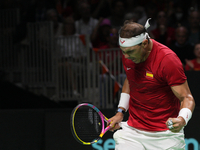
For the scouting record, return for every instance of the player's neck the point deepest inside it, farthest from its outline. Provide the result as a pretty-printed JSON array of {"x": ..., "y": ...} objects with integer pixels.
[
  {"x": 149, "y": 48},
  {"x": 150, "y": 45}
]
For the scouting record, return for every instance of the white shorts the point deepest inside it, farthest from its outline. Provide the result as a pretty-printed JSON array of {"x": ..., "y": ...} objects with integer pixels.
[{"x": 129, "y": 138}]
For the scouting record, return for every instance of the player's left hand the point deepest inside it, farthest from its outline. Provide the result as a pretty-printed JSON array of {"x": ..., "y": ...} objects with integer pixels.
[
  {"x": 115, "y": 120},
  {"x": 175, "y": 124}
]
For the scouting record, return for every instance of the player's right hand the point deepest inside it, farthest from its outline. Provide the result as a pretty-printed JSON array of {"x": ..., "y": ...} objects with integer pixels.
[
  {"x": 115, "y": 120},
  {"x": 175, "y": 124}
]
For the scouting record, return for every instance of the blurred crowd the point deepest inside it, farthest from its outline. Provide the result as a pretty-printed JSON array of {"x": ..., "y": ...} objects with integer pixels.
[{"x": 174, "y": 23}]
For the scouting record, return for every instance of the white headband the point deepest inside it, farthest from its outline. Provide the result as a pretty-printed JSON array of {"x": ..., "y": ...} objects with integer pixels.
[{"x": 128, "y": 42}]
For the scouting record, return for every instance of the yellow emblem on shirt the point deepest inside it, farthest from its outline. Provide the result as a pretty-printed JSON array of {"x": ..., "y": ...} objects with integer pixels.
[{"x": 149, "y": 74}]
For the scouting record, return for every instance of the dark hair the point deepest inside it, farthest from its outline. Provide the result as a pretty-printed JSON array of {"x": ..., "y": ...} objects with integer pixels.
[{"x": 131, "y": 29}]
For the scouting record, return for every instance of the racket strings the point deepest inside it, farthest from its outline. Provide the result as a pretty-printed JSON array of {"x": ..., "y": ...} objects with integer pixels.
[{"x": 87, "y": 124}]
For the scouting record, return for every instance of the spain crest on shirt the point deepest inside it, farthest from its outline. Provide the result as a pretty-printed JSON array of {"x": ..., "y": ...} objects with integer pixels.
[{"x": 149, "y": 74}]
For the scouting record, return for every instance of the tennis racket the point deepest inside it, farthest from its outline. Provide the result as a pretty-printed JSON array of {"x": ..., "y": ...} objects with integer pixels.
[{"x": 88, "y": 124}]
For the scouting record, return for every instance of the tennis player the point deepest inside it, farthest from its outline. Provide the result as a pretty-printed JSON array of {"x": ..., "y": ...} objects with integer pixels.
[{"x": 155, "y": 92}]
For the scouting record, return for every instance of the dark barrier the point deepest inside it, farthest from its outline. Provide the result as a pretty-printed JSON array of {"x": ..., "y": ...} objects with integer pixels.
[{"x": 50, "y": 130}]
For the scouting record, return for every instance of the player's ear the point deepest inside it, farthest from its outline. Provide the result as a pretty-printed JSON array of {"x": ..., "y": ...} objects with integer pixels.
[{"x": 145, "y": 43}]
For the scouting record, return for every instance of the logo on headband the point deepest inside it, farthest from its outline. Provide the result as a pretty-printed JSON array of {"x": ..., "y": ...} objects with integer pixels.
[{"x": 122, "y": 41}]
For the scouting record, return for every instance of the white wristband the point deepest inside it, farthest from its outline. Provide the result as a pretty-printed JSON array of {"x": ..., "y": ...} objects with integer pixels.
[
  {"x": 124, "y": 101},
  {"x": 186, "y": 114}
]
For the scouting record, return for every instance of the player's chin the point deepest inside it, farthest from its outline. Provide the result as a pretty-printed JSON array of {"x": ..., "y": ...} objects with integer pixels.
[
  {"x": 132, "y": 58},
  {"x": 136, "y": 61}
]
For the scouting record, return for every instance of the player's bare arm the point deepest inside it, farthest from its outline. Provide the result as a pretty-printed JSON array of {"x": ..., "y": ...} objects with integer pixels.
[
  {"x": 182, "y": 92},
  {"x": 115, "y": 120},
  {"x": 125, "y": 88}
]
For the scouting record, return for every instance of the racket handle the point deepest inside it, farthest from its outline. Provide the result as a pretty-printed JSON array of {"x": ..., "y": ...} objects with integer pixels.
[{"x": 105, "y": 130}]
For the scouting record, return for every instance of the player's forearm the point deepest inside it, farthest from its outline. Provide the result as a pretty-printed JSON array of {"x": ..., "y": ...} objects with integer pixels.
[
  {"x": 187, "y": 108},
  {"x": 182, "y": 92},
  {"x": 124, "y": 98},
  {"x": 188, "y": 102},
  {"x": 126, "y": 88}
]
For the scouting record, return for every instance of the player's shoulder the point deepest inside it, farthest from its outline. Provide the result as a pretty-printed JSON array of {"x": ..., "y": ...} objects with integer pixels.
[
  {"x": 162, "y": 50},
  {"x": 164, "y": 56}
]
